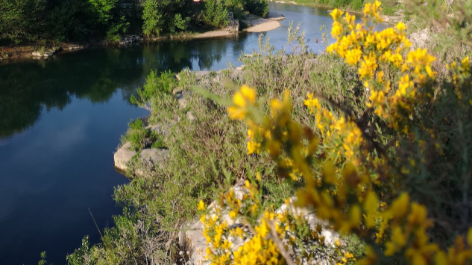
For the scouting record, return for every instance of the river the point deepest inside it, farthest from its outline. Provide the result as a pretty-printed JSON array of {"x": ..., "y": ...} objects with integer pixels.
[{"x": 61, "y": 120}]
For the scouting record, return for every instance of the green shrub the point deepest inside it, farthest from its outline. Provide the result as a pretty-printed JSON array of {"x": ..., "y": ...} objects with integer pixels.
[
  {"x": 237, "y": 7},
  {"x": 215, "y": 14},
  {"x": 140, "y": 137},
  {"x": 136, "y": 125},
  {"x": 154, "y": 87},
  {"x": 257, "y": 7},
  {"x": 117, "y": 29},
  {"x": 21, "y": 20},
  {"x": 136, "y": 135},
  {"x": 76, "y": 20},
  {"x": 102, "y": 9},
  {"x": 65, "y": 21},
  {"x": 80, "y": 255},
  {"x": 162, "y": 16},
  {"x": 357, "y": 4}
]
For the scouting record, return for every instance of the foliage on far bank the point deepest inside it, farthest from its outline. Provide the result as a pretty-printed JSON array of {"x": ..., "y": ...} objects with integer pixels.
[
  {"x": 24, "y": 21},
  {"x": 34, "y": 20}
]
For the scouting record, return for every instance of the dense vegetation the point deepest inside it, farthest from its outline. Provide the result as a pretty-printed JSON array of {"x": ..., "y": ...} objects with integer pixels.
[
  {"x": 73, "y": 20},
  {"x": 372, "y": 136}
]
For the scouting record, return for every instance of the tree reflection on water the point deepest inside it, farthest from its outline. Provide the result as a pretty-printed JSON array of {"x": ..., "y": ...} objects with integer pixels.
[{"x": 28, "y": 88}]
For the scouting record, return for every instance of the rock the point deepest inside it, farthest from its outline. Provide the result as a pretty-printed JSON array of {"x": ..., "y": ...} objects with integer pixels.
[
  {"x": 233, "y": 24},
  {"x": 4, "y": 56},
  {"x": 154, "y": 128},
  {"x": 45, "y": 54},
  {"x": 153, "y": 155},
  {"x": 128, "y": 39},
  {"x": 190, "y": 116},
  {"x": 177, "y": 91},
  {"x": 191, "y": 239},
  {"x": 123, "y": 156},
  {"x": 160, "y": 129},
  {"x": 275, "y": 16},
  {"x": 191, "y": 235},
  {"x": 286, "y": 2},
  {"x": 419, "y": 39},
  {"x": 149, "y": 157},
  {"x": 201, "y": 74},
  {"x": 182, "y": 102},
  {"x": 73, "y": 47},
  {"x": 330, "y": 235},
  {"x": 237, "y": 74}
]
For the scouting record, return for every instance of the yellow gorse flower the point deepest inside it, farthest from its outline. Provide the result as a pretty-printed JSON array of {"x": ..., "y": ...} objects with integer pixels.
[
  {"x": 344, "y": 189},
  {"x": 241, "y": 100}
]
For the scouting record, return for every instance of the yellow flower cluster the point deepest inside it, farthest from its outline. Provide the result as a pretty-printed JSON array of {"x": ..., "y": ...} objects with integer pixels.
[
  {"x": 460, "y": 73},
  {"x": 402, "y": 226},
  {"x": 242, "y": 99},
  {"x": 344, "y": 135},
  {"x": 378, "y": 56},
  {"x": 258, "y": 246},
  {"x": 342, "y": 188}
]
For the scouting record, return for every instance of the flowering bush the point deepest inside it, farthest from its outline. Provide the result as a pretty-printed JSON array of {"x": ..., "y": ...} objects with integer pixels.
[{"x": 394, "y": 172}]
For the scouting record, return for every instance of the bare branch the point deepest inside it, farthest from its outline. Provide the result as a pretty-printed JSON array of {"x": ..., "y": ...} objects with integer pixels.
[{"x": 280, "y": 245}]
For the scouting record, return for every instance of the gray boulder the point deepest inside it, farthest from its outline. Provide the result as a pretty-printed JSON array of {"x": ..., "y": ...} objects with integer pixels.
[
  {"x": 233, "y": 24},
  {"x": 153, "y": 155},
  {"x": 123, "y": 156},
  {"x": 419, "y": 39}
]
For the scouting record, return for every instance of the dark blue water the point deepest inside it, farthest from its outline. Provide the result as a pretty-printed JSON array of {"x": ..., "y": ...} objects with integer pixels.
[{"x": 61, "y": 120}]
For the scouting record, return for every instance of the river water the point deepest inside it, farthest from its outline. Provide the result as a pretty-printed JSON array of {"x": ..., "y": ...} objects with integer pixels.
[{"x": 61, "y": 120}]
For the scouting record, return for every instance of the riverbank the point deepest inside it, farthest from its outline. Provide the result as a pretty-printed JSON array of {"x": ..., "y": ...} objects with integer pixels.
[{"x": 254, "y": 24}]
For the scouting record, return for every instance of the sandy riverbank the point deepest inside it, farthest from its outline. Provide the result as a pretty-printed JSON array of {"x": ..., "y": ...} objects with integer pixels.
[{"x": 255, "y": 23}]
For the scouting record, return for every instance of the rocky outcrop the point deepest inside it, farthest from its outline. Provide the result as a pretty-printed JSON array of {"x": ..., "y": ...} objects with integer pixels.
[
  {"x": 129, "y": 39},
  {"x": 330, "y": 236},
  {"x": 74, "y": 47},
  {"x": 4, "y": 56},
  {"x": 191, "y": 236},
  {"x": 147, "y": 159},
  {"x": 233, "y": 24},
  {"x": 398, "y": 16},
  {"x": 45, "y": 54},
  {"x": 275, "y": 16},
  {"x": 123, "y": 156},
  {"x": 420, "y": 39},
  {"x": 285, "y": 2},
  {"x": 127, "y": 158}
]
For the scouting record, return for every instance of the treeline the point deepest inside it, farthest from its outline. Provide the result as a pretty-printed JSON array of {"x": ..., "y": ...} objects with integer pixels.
[{"x": 74, "y": 20}]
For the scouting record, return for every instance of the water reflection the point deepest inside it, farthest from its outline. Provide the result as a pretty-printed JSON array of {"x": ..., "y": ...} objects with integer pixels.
[{"x": 27, "y": 88}]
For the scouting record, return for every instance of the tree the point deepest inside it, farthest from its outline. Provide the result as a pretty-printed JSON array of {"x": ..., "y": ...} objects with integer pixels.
[
  {"x": 215, "y": 14},
  {"x": 20, "y": 20},
  {"x": 165, "y": 16}
]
